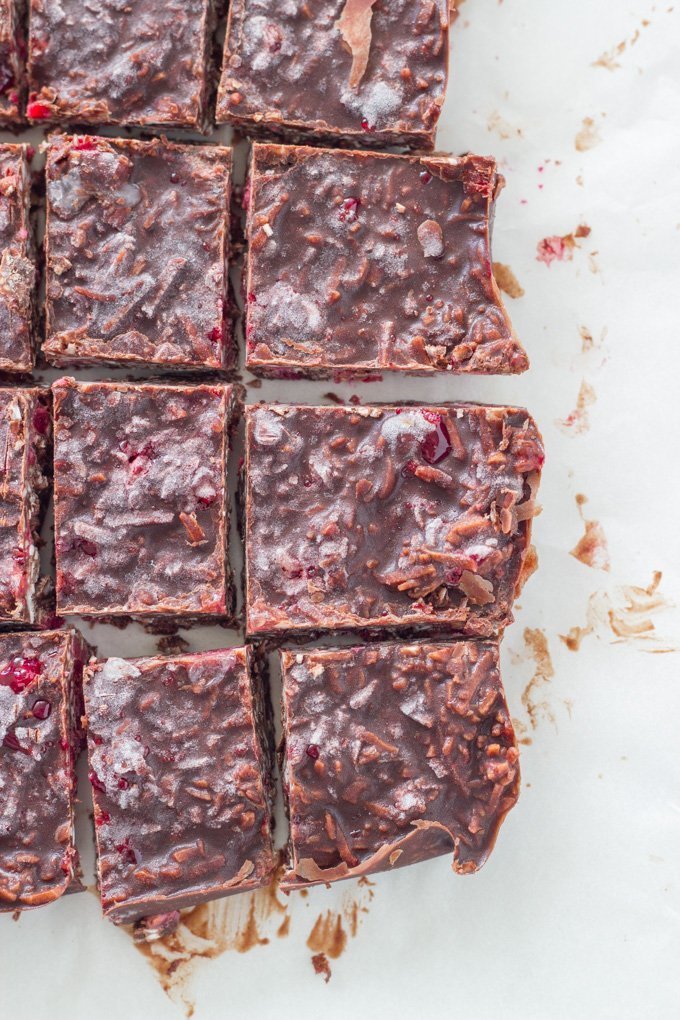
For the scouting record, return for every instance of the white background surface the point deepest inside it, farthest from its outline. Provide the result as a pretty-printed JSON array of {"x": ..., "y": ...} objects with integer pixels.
[{"x": 577, "y": 914}]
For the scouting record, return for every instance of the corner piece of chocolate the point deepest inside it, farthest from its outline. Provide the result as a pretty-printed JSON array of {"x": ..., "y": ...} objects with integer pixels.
[
  {"x": 394, "y": 754},
  {"x": 361, "y": 262}
]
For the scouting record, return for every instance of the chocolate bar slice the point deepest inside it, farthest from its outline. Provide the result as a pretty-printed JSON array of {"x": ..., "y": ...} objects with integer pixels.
[
  {"x": 387, "y": 519},
  {"x": 17, "y": 261},
  {"x": 136, "y": 250},
  {"x": 141, "y": 511},
  {"x": 180, "y": 753},
  {"x": 40, "y": 737},
  {"x": 12, "y": 55},
  {"x": 346, "y": 72},
  {"x": 121, "y": 63},
  {"x": 361, "y": 261},
  {"x": 394, "y": 753},
  {"x": 25, "y": 446}
]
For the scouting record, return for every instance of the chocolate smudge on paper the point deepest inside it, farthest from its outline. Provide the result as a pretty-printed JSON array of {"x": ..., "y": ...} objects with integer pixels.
[
  {"x": 537, "y": 648},
  {"x": 502, "y": 128},
  {"x": 624, "y": 615},
  {"x": 609, "y": 59},
  {"x": 507, "y": 281},
  {"x": 578, "y": 421},
  {"x": 591, "y": 549},
  {"x": 333, "y": 928},
  {"x": 588, "y": 137}
]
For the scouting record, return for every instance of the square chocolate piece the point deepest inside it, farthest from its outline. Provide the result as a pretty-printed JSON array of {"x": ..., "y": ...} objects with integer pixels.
[
  {"x": 346, "y": 72},
  {"x": 387, "y": 518},
  {"x": 180, "y": 754},
  {"x": 40, "y": 737},
  {"x": 140, "y": 499},
  {"x": 136, "y": 249},
  {"x": 12, "y": 70},
  {"x": 121, "y": 63},
  {"x": 361, "y": 261},
  {"x": 25, "y": 446},
  {"x": 394, "y": 754},
  {"x": 17, "y": 261}
]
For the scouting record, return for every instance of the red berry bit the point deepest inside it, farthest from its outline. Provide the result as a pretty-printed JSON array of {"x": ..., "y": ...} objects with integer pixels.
[
  {"x": 312, "y": 751},
  {"x": 437, "y": 444},
  {"x": 425, "y": 176},
  {"x": 365, "y": 126},
  {"x": 349, "y": 210},
  {"x": 84, "y": 144},
  {"x": 41, "y": 709},
  {"x": 10, "y": 740},
  {"x": 19, "y": 673},
  {"x": 96, "y": 781},
  {"x": 38, "y": 111}
]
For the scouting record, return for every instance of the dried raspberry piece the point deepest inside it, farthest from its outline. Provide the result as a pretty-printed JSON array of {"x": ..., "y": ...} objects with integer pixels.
[
  {"x": 38, "y": 111},
  {"x": 19, "y": 673}
]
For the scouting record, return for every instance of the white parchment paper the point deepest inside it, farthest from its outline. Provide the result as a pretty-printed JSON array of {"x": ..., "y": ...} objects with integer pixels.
[{"x": 577, "y": 914}]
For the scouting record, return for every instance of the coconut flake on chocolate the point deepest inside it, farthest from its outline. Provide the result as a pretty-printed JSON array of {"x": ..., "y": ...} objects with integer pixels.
[{"x": 355, "y": 26}]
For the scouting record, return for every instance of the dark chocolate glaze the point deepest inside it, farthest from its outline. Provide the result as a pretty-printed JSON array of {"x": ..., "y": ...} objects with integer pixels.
[
  {"x": 289, "y": 70},
  {"x": 382, "y": 738},
  {"x": 360, "y": 261},
  {"x": 140, "y": 507},
  {"x": 387, "y": 518},
  {"x": 136, "y": 247},
  {"x": 40, "y": 736},
  {"x": 180, "y": 772},
  {"x": 25, "y": 444},
  {"x": 17, "y": 264},
  {"x": 120, "y": 62}
]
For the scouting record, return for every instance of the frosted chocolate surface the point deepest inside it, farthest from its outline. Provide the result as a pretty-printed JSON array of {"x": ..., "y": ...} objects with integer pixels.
[
  {"x": 179, "y": 770},
  {"x": 136, "y": 252},
  {"x": 17, "y": 265},
  {"x": 361, "y": 261},
  {"x": 40, "y": 736},
  {"x": 140, "y": 507},
  {"x": 387, "y": 517},
  {"x": 395, "y": 754},
  {"x": 113, "y": 62},
  {"x": 354, "y": 72},
  {"x": 25, "y": 440}
]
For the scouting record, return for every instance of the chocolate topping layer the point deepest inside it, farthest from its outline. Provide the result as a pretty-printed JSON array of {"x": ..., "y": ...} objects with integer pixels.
[
  {"x": 361, "y": 261},
  {"x": 40, "y": 736},
  {"x": 137, "y": 239},
  {"x": 25, "y": 442},
  {"x": 140, "y": 508},
  {"x": 120, "y": 62},
  {"x": 179, "y": 765},
  {"x": 17, "y": 264},
  {"x": 387, "y": 517},
  {"x": 394, "y": 754},
  {"x": 365, "y": 74}
]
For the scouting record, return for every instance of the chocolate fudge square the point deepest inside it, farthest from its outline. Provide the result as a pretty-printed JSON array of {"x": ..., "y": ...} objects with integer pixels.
[
  {"x": 12, "y": 71},
  {"x": 17, "y": 261},
  {"x": 362, "y": 261},
  {"x": 136, "y": 246},
  {"x": 360, "y": 73},
  {"x": 394, "y": 753},
  {"x": 25, "y": 446},
  {"x": 120, "y": 63},
  {"x": 387, "y": 518},
  {"x": 180, "y": 764},
  {"x": 140, "y": 504},
  {"x": 40, "y": 737}
]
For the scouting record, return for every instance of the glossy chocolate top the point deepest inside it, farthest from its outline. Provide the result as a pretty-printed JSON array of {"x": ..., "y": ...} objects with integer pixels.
[
  {"x": 38, "y": 740},
  {"x": 366, "y": 72},
  {"x": 394, "y": 754},
  {"x": 136, "y": 252},
  {"x": 120, "y": 63},
  {"x": 179, "y": 781},
  {"x": 140, "y": 480},
  {"x": 365, "y": 261},
  {"x": 25, "y": 437},
  {"x": 17, "y": 269},
  {"x": 387, "y": 517}
]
